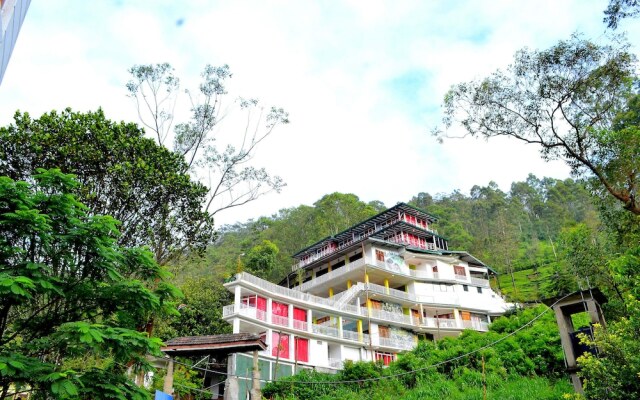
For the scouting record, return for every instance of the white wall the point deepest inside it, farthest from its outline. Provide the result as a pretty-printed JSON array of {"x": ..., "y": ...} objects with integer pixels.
[
  {"x": 350, "y": 353},
  {"x": 318, "y": 352}
]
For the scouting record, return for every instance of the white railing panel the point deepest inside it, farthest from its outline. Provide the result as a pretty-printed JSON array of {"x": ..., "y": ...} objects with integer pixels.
[
  {"x": 325, "y": 330},
  {"x": 279, "y": 320},
  {"x": 480, "y": 282},
  {"x": 351, "y": 335},
  {"x": 300, "y": 325}
]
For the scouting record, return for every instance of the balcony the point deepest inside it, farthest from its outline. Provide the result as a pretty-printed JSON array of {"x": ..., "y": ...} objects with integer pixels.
[
  {"x": 476, "y": 325},
  {"x": 325, "y": 330},
  {"x": 351, "y": 335},
  {"x": 279, "y": 320},
  {"x": 445, "y": 323},
  {"x": 391, "y": 316},
  {"x": 480, "y": 282},
  {"x": 244, "y": 310},
  {"x": 335, "y": 363},
  {"x": 396, "y": 343},
  {"x": 300, "y": 325}
]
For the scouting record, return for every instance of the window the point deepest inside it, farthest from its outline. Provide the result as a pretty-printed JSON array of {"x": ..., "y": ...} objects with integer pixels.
[
  {"x": 386, "y": 358},
  {"x": 479, "y": 289},
  {"x": 435, "y": 269},
  {"x": 279, "y": 313},
  {"x": 380, "y": 255},
  {"x": 279, "y": 345},
  {"x": 465, "y": 288},
  {"x": 459, "y": 270},
  {"x": 302, "y": 349}
]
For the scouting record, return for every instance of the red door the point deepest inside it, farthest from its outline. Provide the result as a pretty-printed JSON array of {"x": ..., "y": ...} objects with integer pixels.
[{"x": 302, "y": 349}]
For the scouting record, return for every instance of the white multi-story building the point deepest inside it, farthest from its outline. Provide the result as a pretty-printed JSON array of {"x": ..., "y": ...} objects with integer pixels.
[
  {"x": 12, "y": 13},
  {"x": 367, "y": 293}
]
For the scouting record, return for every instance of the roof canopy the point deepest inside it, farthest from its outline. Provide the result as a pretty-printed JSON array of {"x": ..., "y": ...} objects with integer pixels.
[
  {"x": 360, "y": 230},
  {"x": 213, "y": 344}
]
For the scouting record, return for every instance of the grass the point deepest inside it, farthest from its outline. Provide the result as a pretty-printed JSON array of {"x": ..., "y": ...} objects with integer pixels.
[{"x": 529, "y": 284}]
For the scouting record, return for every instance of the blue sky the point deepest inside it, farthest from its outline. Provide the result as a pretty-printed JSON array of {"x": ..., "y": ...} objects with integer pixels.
[{"x": 362, "y": 80}]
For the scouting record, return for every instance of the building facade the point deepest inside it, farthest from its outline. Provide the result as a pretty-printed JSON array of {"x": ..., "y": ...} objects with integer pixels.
[
  {"x": 12, "y": 13},
  {"x": 365, "y": 294}
]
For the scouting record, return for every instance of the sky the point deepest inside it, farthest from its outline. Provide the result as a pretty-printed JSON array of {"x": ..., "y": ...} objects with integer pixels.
[{"x": 362, "y": 81}]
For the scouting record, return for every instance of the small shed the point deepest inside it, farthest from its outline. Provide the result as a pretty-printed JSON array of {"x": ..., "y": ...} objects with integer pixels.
[
  {"x": 215, "y": 349},
  {"x": 589, "y": 301}
]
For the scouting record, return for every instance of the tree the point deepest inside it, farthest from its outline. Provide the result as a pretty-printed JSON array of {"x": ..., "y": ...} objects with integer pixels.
[
  {"x": 121, "y": 173},
  {"x": 71, "y": 297},
  {"x": 619, "y": 9},
  {"x": 564, "y": 100},
  {"x": 262, "y": 258},
  {"x": 230, "y": 180}
]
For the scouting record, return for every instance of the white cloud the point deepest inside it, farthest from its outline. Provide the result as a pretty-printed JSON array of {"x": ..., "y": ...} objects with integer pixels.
[{"x": 337, "y": 67}]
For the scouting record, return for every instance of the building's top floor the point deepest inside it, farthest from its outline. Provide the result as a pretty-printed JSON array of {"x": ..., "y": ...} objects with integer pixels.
[{"x": 401, "y": 223}]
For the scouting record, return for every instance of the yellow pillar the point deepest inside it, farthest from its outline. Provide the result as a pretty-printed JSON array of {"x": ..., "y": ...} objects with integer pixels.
[
  {"x": 386, "y": 285},
  {"x": 349, "y": 284},
  {"x": 360, "y": 334},
  {"x": 366, "y": 278},
  {"x": 329, "y": 267}
]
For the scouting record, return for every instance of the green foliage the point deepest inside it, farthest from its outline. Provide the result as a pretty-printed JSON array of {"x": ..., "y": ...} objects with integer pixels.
[
  {"x": 68, "y": 290},
  {"x": 200, "y": 311},
  {"x": 120, "y": 173},
  {"x": 526, "y": 365}
]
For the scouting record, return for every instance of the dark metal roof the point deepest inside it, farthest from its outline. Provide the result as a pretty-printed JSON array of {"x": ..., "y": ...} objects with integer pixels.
[
  {"x": 365, "y": 225},
  {"x": 578, "y": 296},
  {"x": 208, "y": 344}
]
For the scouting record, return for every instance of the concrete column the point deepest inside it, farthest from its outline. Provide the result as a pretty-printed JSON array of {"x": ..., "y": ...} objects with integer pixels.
[
  {"x": 237, "y": 296},
  {"x": 360, "y": 333},
  {"x": 488, "y": 318},
  {"x": 309, "y": 321},
  {"x": 168, "y": 379},
  {"x": 269, "y": 312},
  {"x": 292, "y": 347},
  {"x": 290, "y": 315},
  {"x": 330, "y": 292},
  {"x": 565, "y": 327},
  {"x": 421, "y": 322},
  {"x": 349, "y": 284},
  {"x": 456, "y": 315},
  {"x": 340, "y": 327},
  {"x": 386, "y": 285},
  {"x": 236, "y": 325}
]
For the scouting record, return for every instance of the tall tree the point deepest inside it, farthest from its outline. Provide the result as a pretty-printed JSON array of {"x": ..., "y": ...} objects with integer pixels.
[
  {"x": 230, "y": 179},
  {"x": 121, "y": 173},
  {"x": 564, "y": 100},
  {"x": 71, "y": 297}
]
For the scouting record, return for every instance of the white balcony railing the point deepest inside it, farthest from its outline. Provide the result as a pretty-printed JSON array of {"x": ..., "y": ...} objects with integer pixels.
[
  {"x": 245, "y": 310},
  {"x": 300, "y": 325},
  {"x": 351, "y": 335},
  {"x": 391, "y": 316},
  {"x": 396, "y": 343},
  {"x": 461, "y": 278},
  {"x": 476, "y": 325},
  {"x": 480, "y": 281},
  {"x": 325, "y": 330},
  {"x": 279, "y": 320},
  {"x": 336, "y": 273},
  {"x": 335, "y": 363}
]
